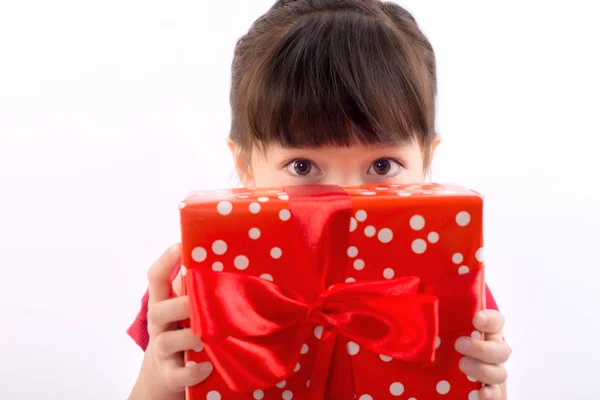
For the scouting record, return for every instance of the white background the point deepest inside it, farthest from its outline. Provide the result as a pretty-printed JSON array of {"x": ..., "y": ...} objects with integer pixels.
[{"x": 112, "y": 110}]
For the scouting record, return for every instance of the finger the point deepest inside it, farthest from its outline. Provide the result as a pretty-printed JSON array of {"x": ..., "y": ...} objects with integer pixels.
[
  {"x": 490, "y": 352},
  {"x": 485, "y": 373},
  {"x": 492, "y": 392},
  {"x": 489, "y": 321},
  {"x": 189, "y": 375},
  {"x": 167, "y": 312},
  {"x": 178, "y": 340},
  {"x": 159, "y": 284}
]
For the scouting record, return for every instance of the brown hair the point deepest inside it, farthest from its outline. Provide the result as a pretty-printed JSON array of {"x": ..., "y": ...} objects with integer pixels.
[{"x": 313, "y": 73}]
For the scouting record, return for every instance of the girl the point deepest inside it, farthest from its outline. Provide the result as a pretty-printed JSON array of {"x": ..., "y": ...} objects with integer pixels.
[{"x": 323, "y": 92}]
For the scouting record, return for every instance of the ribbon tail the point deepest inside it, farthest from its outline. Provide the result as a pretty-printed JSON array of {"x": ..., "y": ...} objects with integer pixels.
[{"x": 340, "y": 384}]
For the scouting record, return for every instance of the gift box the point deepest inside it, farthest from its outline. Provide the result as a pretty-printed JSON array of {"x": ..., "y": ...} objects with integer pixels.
[{"x": 327, "y": 292}]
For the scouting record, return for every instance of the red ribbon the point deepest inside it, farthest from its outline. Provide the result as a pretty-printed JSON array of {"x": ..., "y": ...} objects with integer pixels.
[{"x": 253, "y": 330}]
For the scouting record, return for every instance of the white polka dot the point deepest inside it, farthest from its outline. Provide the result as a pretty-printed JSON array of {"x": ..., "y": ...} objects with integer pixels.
[
  {"x": 243, "y": 196},
  {"x": 412, "y": 398},
  {"x": 182, "y": 205},
  {"x": 254, "y": 208},
  {"x": 183, "y": 271},
  {"x": 267, "y": 277},
  {"x": 276, "y": 252},
  {"x": 318, "y": 332},
  {"x": 352, "y": 252},
  {"x": 476, "y": 335},
  {"x": 443, "y": 387},
  {"x": 479, "y": 256},
  {"x": 199, "y": 254},
  {"x": 353, "y": 348},
  {"x": 308, "y": 383},
  {"x": 433, "y": 237},
  {"x": 213, "y": 395},
  {"x": 254, "y": 233},
  {"x": 217, "y": 266},
  {"x": 241, "y": 262},
  {"x": 419, "y": 246},
  {"x": 457, "y": 258},
  {"x": 281, "y": 384},
  {"x": 404, "y": 194},
  {"x": 463, "y": 270},
  {"x": 381, "y": 188},
  {"x": 370, "y": 231},
  {"x": 285, "y": 214},
  {"x": 263, "y": 199},
  {"x": 283, "y": 197},
  {"x": 463, "y": 218},
  {"x": 361, "y": 215},
  {"x": 190, "y": 363},
  {"x": 396, "y": 389},
  {"x": 474, "y": 395},
  {"x": 350, "y": 280},
  {"x": 471, "y": 379},
  {"x": 417, "y": 222},
  {"x": 438, "y": 342},
  {"x": 297, "y": 367},
  {"x": 385, "y": 358},
  {"x": 385, "y": 235},
  {"x": 365, "y": 397},
  {"x": 304, "y": 349},
  {"x": 259, "y": 394},
  {"x": 368, "y": 193},
  {"x": 353, "y": 224},
  {"x": 224, "y": 207},
  {"x": 199, "y": 348},
  {"x": 287, "y": 395},
  {"x": 388, "y": 273},
  {"x": 359, "y": 264},
  {"x": 219, "y": 247}
]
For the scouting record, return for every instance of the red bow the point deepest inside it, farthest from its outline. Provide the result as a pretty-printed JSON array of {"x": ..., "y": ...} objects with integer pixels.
[{"x": 250, "y": 324}]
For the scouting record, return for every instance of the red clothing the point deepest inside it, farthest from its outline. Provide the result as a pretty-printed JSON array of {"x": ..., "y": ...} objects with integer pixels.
[{"x": 139, "y": 328}]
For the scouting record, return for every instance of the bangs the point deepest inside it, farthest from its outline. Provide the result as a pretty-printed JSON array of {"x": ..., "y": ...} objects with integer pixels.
[{"x": 337, "y": 79}]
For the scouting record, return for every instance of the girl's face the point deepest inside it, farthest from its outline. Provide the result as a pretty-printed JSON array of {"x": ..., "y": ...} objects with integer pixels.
[{"x": 355, "y": 165}]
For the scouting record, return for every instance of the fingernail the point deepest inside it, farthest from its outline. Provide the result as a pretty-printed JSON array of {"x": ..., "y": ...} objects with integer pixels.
[
  {"x": 481, "y": 318},
  {"x": 462, "y": 364},
  {"x": 174, "y": 249},
  {"x": 486, "y": 393},
  {"x": 462, "y": 344},
  {"x": 206, "y": 367}
]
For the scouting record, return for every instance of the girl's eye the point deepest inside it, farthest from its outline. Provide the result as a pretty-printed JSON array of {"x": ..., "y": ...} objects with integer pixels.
[
  {"x": 301, "y": 167},
  {"x": 385, "y": 167}
]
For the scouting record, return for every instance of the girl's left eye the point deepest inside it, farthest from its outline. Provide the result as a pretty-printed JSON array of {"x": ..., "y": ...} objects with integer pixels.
[{"x": 385, "y": 167}]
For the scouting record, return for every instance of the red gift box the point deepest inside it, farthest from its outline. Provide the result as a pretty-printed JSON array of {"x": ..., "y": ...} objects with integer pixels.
[{"x": 323, "y": 292}]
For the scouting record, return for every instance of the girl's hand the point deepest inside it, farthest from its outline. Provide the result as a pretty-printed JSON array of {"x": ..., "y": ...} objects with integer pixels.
[
  {"x": 484, "y": 359},
  {"x": 163, "y": 375}
]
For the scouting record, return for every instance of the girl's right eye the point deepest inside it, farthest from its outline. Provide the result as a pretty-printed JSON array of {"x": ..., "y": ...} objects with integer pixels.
[{"x": 301, "y": 167}]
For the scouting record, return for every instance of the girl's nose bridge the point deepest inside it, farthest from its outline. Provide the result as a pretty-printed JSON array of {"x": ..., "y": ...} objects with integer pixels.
[{"x": 344, "y": 175}]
